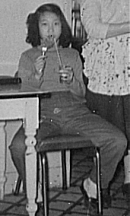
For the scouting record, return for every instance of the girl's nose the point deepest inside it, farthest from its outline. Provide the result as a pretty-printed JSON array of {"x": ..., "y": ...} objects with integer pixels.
[{"x": 51, "y": 29}]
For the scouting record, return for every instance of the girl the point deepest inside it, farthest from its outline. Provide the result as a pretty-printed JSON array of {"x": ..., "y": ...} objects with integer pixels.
[{"x": 50, "y": 64}]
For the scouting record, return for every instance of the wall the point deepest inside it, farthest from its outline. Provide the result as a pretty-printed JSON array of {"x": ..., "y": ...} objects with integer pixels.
[{"x": 13, "y": 14}]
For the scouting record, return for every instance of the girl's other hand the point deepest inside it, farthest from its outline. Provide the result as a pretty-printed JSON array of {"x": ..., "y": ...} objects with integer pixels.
[
  {"x": 66, "y": 74},
  {"x": 39, "y": 65}
]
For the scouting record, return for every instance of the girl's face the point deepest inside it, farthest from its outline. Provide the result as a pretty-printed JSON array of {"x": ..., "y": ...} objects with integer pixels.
[{"x": 49, "y": 28}]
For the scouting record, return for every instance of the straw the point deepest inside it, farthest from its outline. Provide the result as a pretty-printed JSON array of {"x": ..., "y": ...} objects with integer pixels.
[{"x": 59, "y": 58}]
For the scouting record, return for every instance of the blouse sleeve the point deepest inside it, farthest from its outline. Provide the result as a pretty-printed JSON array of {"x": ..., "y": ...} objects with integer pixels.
[
  {"x": 26, "y": 71},
  {"x": 77, "y": 86},
  {"x": 91, "y": 19}
]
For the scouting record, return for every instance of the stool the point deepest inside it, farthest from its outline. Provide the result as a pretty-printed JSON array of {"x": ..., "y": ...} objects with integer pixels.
[{"x": 63, "y": 143}]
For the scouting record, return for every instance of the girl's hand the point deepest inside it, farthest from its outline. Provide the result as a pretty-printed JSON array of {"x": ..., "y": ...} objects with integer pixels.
[
  {"x": 66, "y": 74},
  {"x": 39, "y": 65}
]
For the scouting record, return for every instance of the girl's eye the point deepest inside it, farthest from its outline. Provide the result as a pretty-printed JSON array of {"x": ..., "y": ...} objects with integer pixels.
[
  {"x": 44, "y": 24},
  {"x": 56, "y": 23}
]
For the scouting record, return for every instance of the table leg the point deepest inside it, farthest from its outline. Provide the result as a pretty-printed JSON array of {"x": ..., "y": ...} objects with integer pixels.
[
  {"x": 31, "y": 124},
  {"x": 2, "y": 159},
  {"x": 68, "y": 167},
  {"x": 31, "y": 175}
]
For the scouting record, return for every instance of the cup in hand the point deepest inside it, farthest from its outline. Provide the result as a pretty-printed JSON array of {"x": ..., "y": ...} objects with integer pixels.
[{"x": 65, "y": 74}]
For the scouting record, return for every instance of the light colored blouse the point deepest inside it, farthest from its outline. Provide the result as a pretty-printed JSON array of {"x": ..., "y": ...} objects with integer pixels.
[{"x": 107, "y": 61}]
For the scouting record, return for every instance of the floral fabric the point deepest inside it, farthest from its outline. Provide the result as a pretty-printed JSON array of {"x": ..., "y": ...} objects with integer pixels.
[{"x": 107, "y": 61}]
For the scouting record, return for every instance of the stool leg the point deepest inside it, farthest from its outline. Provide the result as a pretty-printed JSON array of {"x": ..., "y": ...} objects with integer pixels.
[
  {"x": 44, "y": 184},
  {"x": 63, "y": 158},
  {"x": 98, "y": 169}
]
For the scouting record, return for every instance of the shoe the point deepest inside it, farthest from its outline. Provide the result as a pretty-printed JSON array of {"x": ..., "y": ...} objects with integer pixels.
[
  {"x": 106, "y": 198},
  {"x": 39, "y": 211},
  {"x": 18, "y": 185},
  {"x": 126, "y": 192},
  {"x": 90, "y": 203},
  {"x": 126, "y": 213}
]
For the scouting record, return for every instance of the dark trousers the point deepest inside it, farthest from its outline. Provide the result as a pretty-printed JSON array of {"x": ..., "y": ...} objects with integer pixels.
[
  {"x": 115, "y": 109},
  {"x": 61, "y": 116}
]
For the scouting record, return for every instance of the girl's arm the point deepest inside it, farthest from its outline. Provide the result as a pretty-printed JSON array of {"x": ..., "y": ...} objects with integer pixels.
[
  {"x": 27, "y": 72},
  {"x": 118, "y": 29},
  {"x": 91, "y": 18},
  {"x": 77, "y": 85}
]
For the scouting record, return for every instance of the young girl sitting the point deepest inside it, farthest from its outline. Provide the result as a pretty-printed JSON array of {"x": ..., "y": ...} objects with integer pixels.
[{"x": 51, "y": 64}]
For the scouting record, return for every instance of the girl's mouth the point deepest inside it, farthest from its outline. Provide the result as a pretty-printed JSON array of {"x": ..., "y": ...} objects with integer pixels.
[
  {"x": 48, "y": 41},
  {"x": 51, "y": 37}
]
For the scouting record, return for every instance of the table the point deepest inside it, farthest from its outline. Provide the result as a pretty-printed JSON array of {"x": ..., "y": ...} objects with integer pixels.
[{"x": 21, "y": 103}]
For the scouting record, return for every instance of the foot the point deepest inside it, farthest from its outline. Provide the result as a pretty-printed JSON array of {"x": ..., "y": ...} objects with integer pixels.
[
  {"x": 39, "y": 211},
  {"x": 106, "y": 198},
  {"x": 127, "y": 212},
  {"x": 126, "y": 192},
  {"x": 89, "y": 202}
]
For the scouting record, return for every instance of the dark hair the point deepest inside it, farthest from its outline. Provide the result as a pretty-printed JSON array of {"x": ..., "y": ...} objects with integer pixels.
[{"x": 33, "y": 36}]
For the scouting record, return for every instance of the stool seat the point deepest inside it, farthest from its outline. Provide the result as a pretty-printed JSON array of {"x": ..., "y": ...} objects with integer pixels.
[{"x": 63, "y": 142}]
